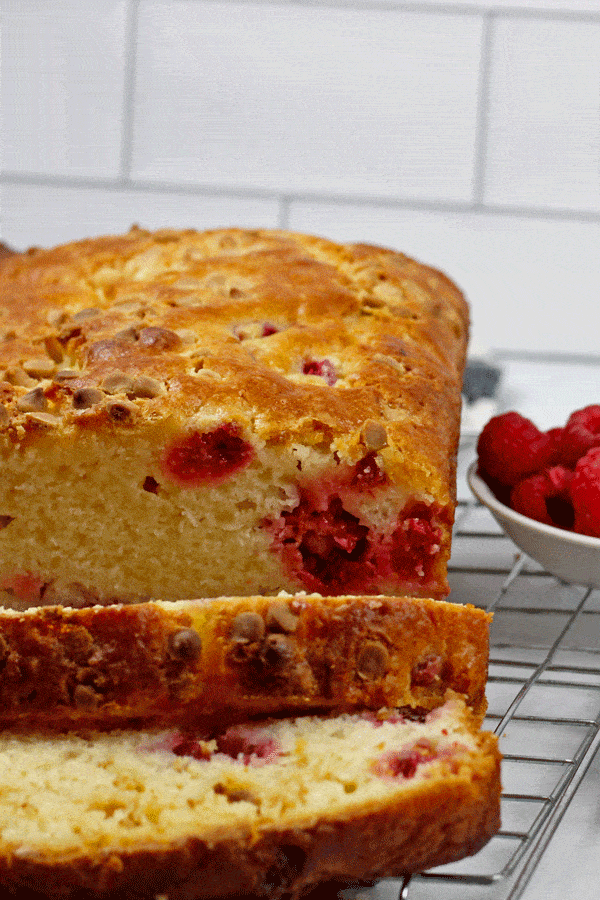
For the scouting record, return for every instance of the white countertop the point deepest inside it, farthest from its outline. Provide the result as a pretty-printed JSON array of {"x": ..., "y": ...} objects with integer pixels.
[{"x": 570, "y": 866}]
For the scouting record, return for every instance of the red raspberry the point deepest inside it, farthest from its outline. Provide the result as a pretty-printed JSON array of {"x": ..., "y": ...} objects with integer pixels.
[
  {"x": 585, "y": 494},
  {"x": 323, "y": 367},
  {"x": 580, "y": 434},
  {"x": 545, "y": 497},
  {"x": 367, "y": 472},
  {"x": 201, "y": 458},
  {"x": 190, "y": 747},
  {"x": 556, "y": 436},
  {"x": 24, "y": 586},
  {"x": 250, "y": 743},
  {"x": 510, "y": 447},
  {"x": 396, "y": 763}
]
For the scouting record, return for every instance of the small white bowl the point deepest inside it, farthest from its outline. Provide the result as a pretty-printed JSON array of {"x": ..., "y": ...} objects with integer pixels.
[{"x": 571, "y": 557}]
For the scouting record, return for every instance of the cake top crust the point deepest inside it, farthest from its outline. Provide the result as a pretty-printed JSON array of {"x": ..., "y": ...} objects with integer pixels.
[{"x": 294, "y": 338}]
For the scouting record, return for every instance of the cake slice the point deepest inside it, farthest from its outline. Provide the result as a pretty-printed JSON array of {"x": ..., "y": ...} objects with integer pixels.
[
  {"x": 234, "y": 413},
  {"x": 268, "y": 808},
  {"x": 232, "y": 658}
]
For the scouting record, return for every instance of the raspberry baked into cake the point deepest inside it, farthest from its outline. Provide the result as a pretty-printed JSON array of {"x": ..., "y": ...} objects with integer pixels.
[
  {"x": 265, "y": 808},
  {"x": 189, "y": 414}
]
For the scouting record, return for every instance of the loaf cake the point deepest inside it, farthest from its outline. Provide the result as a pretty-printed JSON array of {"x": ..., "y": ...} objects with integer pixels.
[
  {"x": 189, "y": 414},
  {"x": 269, "y": 808},
  {"x": 228, "y": 659}
]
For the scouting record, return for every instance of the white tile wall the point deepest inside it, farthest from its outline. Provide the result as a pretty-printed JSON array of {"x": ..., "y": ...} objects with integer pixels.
[
  {"x": 464, "y": 132},
  {"x": 302, "y": 99},
  {"x": 564, "y": 7},
  {"x": 533, "y": 281},
  {"x": 63, "y": 86},
  {"x": 543, "y": 137},
  {"x": 67, "y": 213}
]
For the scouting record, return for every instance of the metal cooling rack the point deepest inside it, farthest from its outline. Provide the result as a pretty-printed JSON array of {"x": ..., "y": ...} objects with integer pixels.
[{"x": 544, "y": 703}]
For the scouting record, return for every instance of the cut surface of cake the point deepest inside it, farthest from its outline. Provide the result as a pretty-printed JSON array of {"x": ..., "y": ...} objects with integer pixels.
[
  {"x": 231, "y": 658},
  {"x": 268, "y": 808},
  {"x": 233, "y": 412}
]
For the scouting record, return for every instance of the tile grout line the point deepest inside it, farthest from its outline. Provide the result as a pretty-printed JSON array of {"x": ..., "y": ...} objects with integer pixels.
[
  {"x": 482, "y": 113},
  {"x": 466, "y": 7},
  {"x": 283, "y": 216},
  {"x": 131, "y": 33},
  {"x": 468, "y": 207}
]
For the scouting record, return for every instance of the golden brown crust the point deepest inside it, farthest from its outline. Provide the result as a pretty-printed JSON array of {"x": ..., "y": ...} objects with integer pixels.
[
  {"x": 5, "y": 251},
  {"x": 191, "y": 314},
  {"x": 348, "y": 348},
  {"x": 231, "y": 658},
  {"x": 446, "y": 819}
]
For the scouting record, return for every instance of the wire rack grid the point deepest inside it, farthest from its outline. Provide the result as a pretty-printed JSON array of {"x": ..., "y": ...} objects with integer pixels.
[{"x": 543, "y": 703}]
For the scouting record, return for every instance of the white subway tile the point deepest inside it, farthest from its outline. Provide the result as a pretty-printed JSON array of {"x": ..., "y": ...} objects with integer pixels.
[
  {"x": 552, "y": 6},
  {"x": 307, "y": 98},
  {"x": 63, "y": 85},
  {"x": 45, "y": 216},
  {"x": 533, "y": 283},
  {"x": 544, "y": 110}
]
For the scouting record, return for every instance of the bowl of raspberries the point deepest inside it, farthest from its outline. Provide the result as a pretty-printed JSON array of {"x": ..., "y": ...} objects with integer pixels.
[{"x": 543, "y": 488}]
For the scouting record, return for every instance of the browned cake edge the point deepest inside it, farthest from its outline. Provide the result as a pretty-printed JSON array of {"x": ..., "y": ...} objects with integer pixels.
[
  {"x": 232, "y": 658},
  {"x": 447, "y": 818}
]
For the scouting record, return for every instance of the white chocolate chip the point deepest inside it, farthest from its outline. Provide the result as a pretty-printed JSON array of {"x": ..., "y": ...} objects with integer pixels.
[
  {"x": 187, "y": 336},
  {"x": 53, "y": 348},
  {"x": 121, "y": 411},
  {"x": 117, "y": 383},
  {"x": 373, "y": 661},
  {"x": 65, "y": 375},
  {"x": 127, "y": 334},
  {"x": 129, "y": 306},
  {"x": 281, "y": 618},
  {"x": 33, "y": 401},
  {"x": 88, "y": 313},
  {"x": 18, "y": 376},
  {"x": 45, "y": 419},
  {"x": 207, "y": 373},
  {"x": 55, "y": 317},
  {"x": 247, "y": 627},
  {"x": 185, "y": 644},
  {"x": 86, "y": 397},
  {"x": 43, "y": 367},
  {"x": 374, "y": 436},
  {"x": 144, "y": 386}
]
